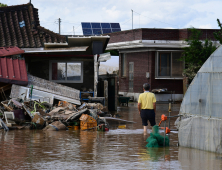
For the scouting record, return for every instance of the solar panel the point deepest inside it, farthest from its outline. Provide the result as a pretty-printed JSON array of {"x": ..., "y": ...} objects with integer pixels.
[
  {"x": 87, "y": 31},
  {"x": 115, "y": 25},
  {"x": 105, "y": 25},
  {"x": 86, "y": 25},
  {"x": 96, "y": 28},
  {"x": 106, "y": 30},
  {"x": 116, "y": 29},
  {"x": 96, "y": 25},
  {"x": 97, "y": 31}
]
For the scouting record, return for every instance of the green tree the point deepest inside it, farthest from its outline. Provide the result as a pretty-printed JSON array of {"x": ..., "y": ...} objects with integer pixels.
[
  {"x": 196, "y": 54},
  {"x": 2, "y": 5},
  {"x": 218, "y": 35}
]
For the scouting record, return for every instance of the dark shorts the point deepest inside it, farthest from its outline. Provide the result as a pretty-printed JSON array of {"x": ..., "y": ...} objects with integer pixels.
[{"x": 147, "y": 114}]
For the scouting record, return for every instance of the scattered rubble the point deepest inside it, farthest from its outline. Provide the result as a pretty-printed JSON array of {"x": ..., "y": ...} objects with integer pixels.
[{"x": 21, "y": 113}]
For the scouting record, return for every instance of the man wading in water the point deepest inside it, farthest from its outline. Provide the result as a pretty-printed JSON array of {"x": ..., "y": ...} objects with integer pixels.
[{"x": 147, "y": 107}]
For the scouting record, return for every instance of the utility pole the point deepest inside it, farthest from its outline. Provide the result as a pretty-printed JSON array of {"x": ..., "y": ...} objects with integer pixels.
[
  {"x": 132, "y": 19},
  {"x": 59, "y": 25},
  {"x": 73, "y": 30}
]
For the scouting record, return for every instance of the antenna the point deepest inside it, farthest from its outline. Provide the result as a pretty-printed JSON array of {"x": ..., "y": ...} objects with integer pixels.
[{"x": 132, "y": 19}]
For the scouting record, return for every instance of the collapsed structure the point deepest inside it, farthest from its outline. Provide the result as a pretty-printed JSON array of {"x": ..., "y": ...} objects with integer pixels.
[
  {"x": 48, "y": 69},
  {"x": 200, "y": 125}
]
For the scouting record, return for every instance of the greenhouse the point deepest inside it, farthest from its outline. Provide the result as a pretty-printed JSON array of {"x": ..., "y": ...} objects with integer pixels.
[{"x": 200, "y": 125}]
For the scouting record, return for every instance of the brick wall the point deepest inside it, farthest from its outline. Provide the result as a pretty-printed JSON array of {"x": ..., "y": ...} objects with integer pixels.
[
  {"x": 125, "y": 36},
  {"x": 160, "y": 34},
  {"x": 157, "y": 34},
  {"x": 140, "y": 68},
  {"x": 145, "y": 62}
]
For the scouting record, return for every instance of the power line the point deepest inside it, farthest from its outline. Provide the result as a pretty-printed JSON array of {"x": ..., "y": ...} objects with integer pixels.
[{"x": 155, "y": 19}]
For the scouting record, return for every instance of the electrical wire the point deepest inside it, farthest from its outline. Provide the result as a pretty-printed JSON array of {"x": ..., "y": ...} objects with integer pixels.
[{"x": 154, "y": 19}]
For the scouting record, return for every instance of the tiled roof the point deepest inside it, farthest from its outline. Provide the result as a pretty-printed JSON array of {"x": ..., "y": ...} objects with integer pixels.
[{"x": 20, "y": 26}]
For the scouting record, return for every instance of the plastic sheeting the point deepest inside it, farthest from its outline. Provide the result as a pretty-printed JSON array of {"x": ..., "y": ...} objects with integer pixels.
[
  {"x": 204, "y": 95},
  {"x": 201, "y": 124},
  {"x": 201, "y": 133}
]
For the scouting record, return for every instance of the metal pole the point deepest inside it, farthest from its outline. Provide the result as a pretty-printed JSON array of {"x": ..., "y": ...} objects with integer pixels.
[
  {"x": 164, "y": 133},
  {"x": 169, "y": 113},
  {"x": 73, "y": 30},
  {"x": 169, "y": 116},
  {"x": 59, "y": 25},
  {"x": 132, "y": 19}
]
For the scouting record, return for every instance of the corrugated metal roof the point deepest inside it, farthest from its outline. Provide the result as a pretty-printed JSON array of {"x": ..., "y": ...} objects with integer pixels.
[
  {"x": 7, "y": 51},
  {"x": 13, "y": 71}
]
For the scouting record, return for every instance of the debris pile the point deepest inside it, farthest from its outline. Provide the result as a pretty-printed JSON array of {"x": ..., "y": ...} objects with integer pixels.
[{"x": 18, "y": 113}]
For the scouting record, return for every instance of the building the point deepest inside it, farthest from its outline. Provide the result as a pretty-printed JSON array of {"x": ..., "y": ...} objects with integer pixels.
[
  {"x": 70, "y": 61},
  {"x": 151, "y": 56}
]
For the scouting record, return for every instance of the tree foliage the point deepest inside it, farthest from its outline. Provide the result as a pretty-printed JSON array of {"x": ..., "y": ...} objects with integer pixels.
[
  {"x": 218, "y": 35},
  {"x": 113, "y": 52},
  {"x": 196, "y": 53},
  {"x": 2, "y": 5}
]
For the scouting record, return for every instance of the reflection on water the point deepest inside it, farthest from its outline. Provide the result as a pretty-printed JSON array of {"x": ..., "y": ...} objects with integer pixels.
[{"x": 115, "y": 149}]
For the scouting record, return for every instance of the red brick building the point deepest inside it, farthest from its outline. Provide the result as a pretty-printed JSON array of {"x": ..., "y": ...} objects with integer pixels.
[{"x": 151, "y": 55}]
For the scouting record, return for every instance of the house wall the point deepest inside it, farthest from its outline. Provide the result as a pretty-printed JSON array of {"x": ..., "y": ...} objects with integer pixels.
[
  {"x": 158, "y": 34},
  {"x": 140, "y": 68},
  {"x": 171, "y": 84},
  {"x": 39, "y": 67},
  {"x": 145, "y": 62}
]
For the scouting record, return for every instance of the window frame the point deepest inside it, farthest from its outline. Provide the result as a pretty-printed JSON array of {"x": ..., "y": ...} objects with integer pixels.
[
  {"x": 65, "y": 81},
  {"x": 123, "y": 70},
  {"x": 171, "y": 60}
]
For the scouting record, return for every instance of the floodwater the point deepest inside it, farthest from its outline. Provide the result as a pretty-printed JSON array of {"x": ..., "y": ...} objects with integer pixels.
[{"x": 115, "y": 149}]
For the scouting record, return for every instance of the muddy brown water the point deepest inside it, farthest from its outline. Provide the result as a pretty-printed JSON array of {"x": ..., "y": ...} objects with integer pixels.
[{"x": 115, "y": 149}]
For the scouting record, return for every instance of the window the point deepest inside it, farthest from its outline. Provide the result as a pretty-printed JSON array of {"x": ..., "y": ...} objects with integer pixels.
[
  {"x": 123, "y": 65},
  {"x": 131, "y": 78},
  {"x": 168, "y": 65},
  {"x": 66, "y": 72}
]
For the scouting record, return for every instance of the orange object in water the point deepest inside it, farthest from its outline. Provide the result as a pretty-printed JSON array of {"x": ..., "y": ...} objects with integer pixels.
[
  {"x": 76, "y": 127},
  {"x": 86, "y": 118},
  {"x": 163, "y": 117},
  {"x": 167, "y": 130},
  {"x": 70, "y": 127},
  {"x": 87, "y": 125}
]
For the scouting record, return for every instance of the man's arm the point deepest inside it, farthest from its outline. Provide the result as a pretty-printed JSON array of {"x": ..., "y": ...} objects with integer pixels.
[
  {"x": 154, "y": 107},
  {"x": 139, "y": 107}
]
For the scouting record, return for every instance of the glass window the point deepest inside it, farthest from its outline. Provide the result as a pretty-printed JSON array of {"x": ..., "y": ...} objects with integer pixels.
[
  {"x": 177, "y": 65},
  {"x": 74, "y": 71},
  {"x": 58, "y": 71},
  {"x": 164, "y": 64},
  {"x": 169, "y": 65},
  {"x": 67, "y": 72}
]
